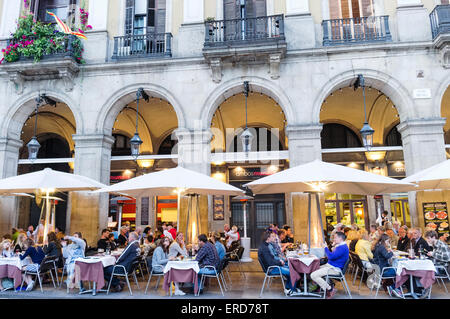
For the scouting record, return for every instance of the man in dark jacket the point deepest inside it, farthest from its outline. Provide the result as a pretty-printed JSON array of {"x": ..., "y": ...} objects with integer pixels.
[
  {"x": 126, "y": 259},
  {"x": 267, "y": 259},
  {"x": 419, "y": 243},
  {"x": 403, "y": 240}
]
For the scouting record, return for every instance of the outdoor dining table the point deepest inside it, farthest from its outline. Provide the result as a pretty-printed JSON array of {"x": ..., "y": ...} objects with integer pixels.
[
  {"x": 185, "y": 270},
  {"x": 421, "y": 268},
  {"x": 302, "y": 264},
  {"x": 91, "y": 269},
  {"x": 11, "y": 267}
]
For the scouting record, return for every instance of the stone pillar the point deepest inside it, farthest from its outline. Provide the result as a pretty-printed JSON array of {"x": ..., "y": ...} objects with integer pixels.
[
  {"x": 89, "y": 212},
  {"x": 423, "y": 146},
  {"x": 96, "y": 46},
  {"x": 194, "y": 153},
  {"x": 10, "y": 13},
  {"x": 191, "y": 35},
  {"x": 298, "y": 17},
  {"x": 304, "y": 146},
  {"x": 413, "y": 21},
  {"x": 9, "y": 158}
]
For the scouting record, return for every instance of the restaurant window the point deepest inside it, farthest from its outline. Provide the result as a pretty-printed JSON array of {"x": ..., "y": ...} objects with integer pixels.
[
  {"x": 393, "y": 138},
  {"x": 346, "y": 209},
  {"x": 338, "y": 136},
  {"x": 343, "y": 9},
  {"x": 61, "y": 8},
  {"x": 236, "y": 9}
]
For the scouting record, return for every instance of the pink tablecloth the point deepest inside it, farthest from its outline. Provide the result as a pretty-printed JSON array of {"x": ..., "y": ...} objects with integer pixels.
[
  {"x": 10, "y": 271},
  {"x": 90, "y": 272},
  {"x": 180, "y": 275},
  {"x": 427, "y": 277},
  {"x": 296, "y": 268}
]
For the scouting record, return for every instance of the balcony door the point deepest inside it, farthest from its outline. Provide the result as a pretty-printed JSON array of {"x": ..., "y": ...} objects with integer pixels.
[
  {"x": 240, "y": 22},
  {"x": 63, "y": 9},
  {"x": 353, "y": 16}
]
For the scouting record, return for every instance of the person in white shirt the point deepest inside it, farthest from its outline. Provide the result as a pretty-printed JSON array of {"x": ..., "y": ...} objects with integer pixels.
[{"x": 232, "y": 236}]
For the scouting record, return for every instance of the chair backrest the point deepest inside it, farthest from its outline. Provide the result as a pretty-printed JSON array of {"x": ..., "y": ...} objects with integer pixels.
[
  {"x": 47, "y": 263},
  {"x": 135, "y": 264},
  {"x": 240, "y": 252},
  {"x": 262, "y": 265},
  {"x": 222, "y": 264},
  {"x": 357, "y": 260},
  {"x": 344, "y": 270}
]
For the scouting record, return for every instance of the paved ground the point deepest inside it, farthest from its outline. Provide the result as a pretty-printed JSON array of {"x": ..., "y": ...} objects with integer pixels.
[{"x": 242, "y": 288}]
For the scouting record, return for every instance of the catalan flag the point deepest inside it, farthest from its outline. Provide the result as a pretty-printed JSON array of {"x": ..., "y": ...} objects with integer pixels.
[{"x": 65, "y": 28}]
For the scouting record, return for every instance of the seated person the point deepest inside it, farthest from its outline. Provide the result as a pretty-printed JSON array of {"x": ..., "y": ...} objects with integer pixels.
[
  {"x": 363, "y": 249},
  {"x": 337, "y": 258},
  {"x": 122, "y": 239},
  {"x": 206, "y": 256},
  {"x": 441, "y": 251},
  {"x": 232, "y": 236},
  {"x": 403, "y": 240},
  {"x": 267, "y": 259},
  {"x": 71, "y": 252},
  {"x": 419, "y": 243},
  {"x": 111, "y": 241},
  {"x": 6, "y": 249},
  {"x": 381, "y": 257},
  {"x": 37, "y": 255},
  {"x": 161, "y": 255},
  {"x": 289, "y": 236},
  {"x": 215, "y": 239},
  {"x": 104, "y": 240},
  {"x": 126, "y": 259},
  {"x": 178, "y": 247},
  {"x": 53, "y": 248},
  {"x": 282, "y": 236}
]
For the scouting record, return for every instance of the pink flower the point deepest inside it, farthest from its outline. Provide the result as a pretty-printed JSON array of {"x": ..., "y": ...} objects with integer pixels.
[
  {"x": 89, "y": 27},
  {"x": 81, "y": 31},
  {"x": 24, "y": 37}
]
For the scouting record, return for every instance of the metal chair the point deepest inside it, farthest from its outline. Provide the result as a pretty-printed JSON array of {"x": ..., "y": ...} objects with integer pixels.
[
  {"x": 442, "y": 273},
  {"x": 125, "y": 274},
  {"x": 269, "y": 276},
  {"x": 46, "y": 266},
  {"x": 158, "y": 273},
  {"x": 215, "y": 275},
  {"x": 380, "y": 277},
  {"x": 340, "y": 277},
  {"x": 226, "y": 262},
  {"x": 359, "y": 266},
  {"x": 235, "y": 258}
]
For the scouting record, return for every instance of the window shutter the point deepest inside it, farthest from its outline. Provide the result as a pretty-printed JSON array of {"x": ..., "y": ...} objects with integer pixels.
[
  {"x": 367, "y": 8},
  {"x": 355, "y": 9},
  {"x": 161, "y": 16},
  {"x": 345, "y": 9},
  {"x": 231, "y": 9},
  {"x": 259, "y": 8},
  {"x": 129, "y": 16},
  {"x": 445, "y": 2},
  {"x": 334, "y": 9}
]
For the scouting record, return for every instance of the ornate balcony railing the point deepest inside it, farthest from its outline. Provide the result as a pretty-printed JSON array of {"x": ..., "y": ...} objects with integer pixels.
[
  {"x": 244, "y": 31},
  {"x": 356, "y": 30},
  {"x": 440, "y": 20},
  {"x": 142, "y": 46}
]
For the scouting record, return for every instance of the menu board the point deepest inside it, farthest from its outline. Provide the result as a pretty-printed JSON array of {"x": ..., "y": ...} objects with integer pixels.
[
  {"x": 436, "y": 217},
  {"x": 218, "y": 207}
]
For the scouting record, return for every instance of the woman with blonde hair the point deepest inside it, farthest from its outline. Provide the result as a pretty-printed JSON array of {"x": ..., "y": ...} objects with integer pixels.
[
  {"x": 21, "y": 244},
  {"x": 363, "y": 249},
  {"x": 6, "y": 248},
  {"x": 352, "y": 239}
]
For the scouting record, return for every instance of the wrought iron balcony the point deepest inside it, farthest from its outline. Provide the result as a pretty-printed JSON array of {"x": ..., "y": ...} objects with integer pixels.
[
  {"x": 245, "y": 31},
  {"x": 440, "y": 20},
  {"x": 142, "y": 46},
  {"x": 356, "y": 30}
]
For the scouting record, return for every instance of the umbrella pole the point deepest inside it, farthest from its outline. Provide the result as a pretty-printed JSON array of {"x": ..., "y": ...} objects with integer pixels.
[
  {"x": 319, "y": 211},
  {"x": 245, "y": 219},
  {"x": 119, "y": 223},
  {"x": 309, "y": 222},
  {"x": 198, "y": 214},
  {"x": 47, "y": 215},
  {"x": 178, "y": 210}
]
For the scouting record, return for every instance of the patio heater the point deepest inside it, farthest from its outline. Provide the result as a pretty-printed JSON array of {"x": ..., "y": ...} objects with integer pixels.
[
  {"x": 135, "y": 141},
  {"x": 33, "y": 145},
  {"x": 246, "y": 136},
  {"x": 193, "y": 219},
  {"x": 316, "y": 236},
  {"x": 245, "y": 241},
  {"x": 366, "y": 131}
]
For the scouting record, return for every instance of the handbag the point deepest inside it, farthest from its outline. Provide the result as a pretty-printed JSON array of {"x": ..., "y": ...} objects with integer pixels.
[{"x": 7, "y": 283}]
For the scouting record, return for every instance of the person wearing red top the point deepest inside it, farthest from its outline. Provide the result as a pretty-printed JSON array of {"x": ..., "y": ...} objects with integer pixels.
[{"x": 172, "y": 231}]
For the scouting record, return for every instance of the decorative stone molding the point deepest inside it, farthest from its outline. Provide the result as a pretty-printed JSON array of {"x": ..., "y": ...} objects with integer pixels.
[
  {"x": 274, "y": 65},
  {"x": 445, "y": 57},
  {"x": 216, "y": 68},
  {"x": 50, "y": 68}
]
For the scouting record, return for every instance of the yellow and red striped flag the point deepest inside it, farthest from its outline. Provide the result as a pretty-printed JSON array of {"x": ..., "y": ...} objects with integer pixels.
[{"x": 65, "y": 28}]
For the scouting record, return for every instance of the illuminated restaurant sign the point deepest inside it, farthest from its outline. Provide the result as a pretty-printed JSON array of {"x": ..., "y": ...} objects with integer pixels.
[{"x": 251, "y": 173}]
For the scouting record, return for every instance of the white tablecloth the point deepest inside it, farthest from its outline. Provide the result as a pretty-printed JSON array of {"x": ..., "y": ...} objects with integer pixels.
[
  {"x": 183, "y": 265},
  {"x": 15, "y": 261},
  {"x": 414, "y": 264},
  {"x": 307, "y": 260},
  {"x": 105, "y": 260}
]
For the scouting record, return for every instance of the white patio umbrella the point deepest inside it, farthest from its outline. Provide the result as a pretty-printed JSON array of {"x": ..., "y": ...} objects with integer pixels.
[
  {"x": 432, "y": 178},
  {"x": 317, "y": 176},
  {"x": 172, "y": 181},
  {"x": 46, "y": 181}
]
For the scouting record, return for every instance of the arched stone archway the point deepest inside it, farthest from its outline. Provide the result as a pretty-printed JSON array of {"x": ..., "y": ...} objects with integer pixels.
[{"x": 234, "y": 86}]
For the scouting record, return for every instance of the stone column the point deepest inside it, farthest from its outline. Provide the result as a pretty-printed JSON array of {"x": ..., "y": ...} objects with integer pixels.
[
  {"x": 298, "y": 17},
  {"x": 304, "y": 146},
  {"x": 423, "y": 146},
  {"x": 194, "y": 153},
  {"x": 96, "y": 46},
  {"x": 191, "y": 35},
  {"x": 413, "y": 21},
  {"x": 89, "y": 212},
  {"x": 9, "y": 158}
]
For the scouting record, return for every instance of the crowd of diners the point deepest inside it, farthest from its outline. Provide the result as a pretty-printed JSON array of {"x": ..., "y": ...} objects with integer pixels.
[
  {"x": 164, "y": 244},
  {"x": 374, "y": 247}
]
